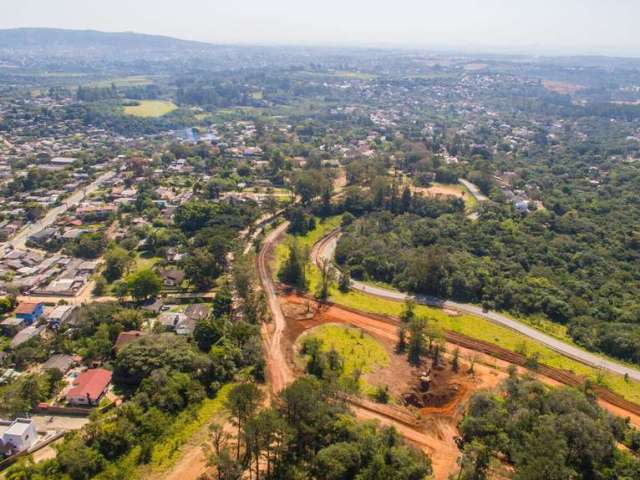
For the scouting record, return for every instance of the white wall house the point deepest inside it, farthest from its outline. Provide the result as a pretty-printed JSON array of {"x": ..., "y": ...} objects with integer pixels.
[{"x": 21, "y": 434}]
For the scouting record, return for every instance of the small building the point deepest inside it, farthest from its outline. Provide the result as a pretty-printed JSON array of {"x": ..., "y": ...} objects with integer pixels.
[
  {"x": 25, "y": 335},
  {"x": 153, "y": 305},
  {"x": 60, "y": 314},
  {"x": 30, "y": 311},
  {"x": 89, "y": 387},
  {"x": 185, "y": 326},
  {"x": 20, "y": 436},
  {"x": 12, "y": 325},
  {"x": 42, "y": 237},
  {"x": 170, "y": 320},
  {"x": 59, "y": 361}
]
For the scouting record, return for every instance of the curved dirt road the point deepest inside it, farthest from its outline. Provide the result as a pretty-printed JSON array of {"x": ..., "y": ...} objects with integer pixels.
[{"x": 325, "y": 249}]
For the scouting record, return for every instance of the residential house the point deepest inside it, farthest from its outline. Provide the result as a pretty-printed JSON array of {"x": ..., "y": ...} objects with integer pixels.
[
  {"x": 12, "y": 325},
  {"x": 170, "y": 320},
  {"x": 60, "y": 314},
  {"x": 153, "y": 305},
  {"x": 30, "y": 312},
  {"x": 89, "y": 387},
  {"x": 197, "y": 311},
  {"x": 19, "y": 437},
  {"x": 185, "y": 326},
  {"x": 42, "y": 237},
  {"x": 25, "y": 335},
  {"x": 59, "y": 361}
]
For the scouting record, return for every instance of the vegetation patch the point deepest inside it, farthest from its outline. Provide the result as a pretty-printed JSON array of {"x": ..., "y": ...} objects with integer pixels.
[
  {"x": 150, "y": 108},
  {"x": 185, "y": 429},
  {"x": 359, "y": 353}
]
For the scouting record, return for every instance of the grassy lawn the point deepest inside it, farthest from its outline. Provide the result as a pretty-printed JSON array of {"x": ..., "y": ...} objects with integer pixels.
[
  {"x": 470, "y": 325},
  {"x": 358, "y": 350},
  {"x": 144, "y": 262},
  {"x": 150, "y": 108}
]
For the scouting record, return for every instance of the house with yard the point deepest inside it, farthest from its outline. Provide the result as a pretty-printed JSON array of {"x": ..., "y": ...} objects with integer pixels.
[
  {"x": 30, "y": 312},
  {"x": 59, "y": 361},
  {"x": 89, "y": 387},
  {"x": 18, "y": 436}
]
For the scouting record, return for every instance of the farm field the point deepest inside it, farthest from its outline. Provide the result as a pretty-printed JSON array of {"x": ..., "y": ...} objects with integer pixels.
[{"x": 150, "y": 108}]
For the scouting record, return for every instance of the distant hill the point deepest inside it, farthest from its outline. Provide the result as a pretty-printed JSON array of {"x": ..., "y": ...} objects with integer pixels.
[{"x": 92, "y": 43}]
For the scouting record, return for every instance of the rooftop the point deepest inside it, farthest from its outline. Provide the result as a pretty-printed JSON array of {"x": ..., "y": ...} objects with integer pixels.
[{"x": 91, "y": 383}]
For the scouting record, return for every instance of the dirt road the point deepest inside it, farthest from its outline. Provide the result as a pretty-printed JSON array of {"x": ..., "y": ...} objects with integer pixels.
[{"x": 279, "y": 372}]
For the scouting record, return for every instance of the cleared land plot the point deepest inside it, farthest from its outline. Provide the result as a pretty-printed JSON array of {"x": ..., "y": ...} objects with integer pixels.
[
  {"x": 471, "y": 325},
  {"x": 443, "y": 190},
  {"x": 150, "y": 108},
  {"x": 563, "y": 88},
  {"x": 358, "y": 351}
]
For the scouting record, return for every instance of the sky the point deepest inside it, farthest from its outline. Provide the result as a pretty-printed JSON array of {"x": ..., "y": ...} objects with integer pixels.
[{"x": 531, "y": 26}]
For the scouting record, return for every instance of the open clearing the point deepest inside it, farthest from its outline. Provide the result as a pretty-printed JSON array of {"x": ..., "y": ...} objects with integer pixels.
[
  {"x": 466, "y": 324},
  {"x": 437, "y": 190},
  {"x": 432, "y": 427},
  {"x": 563, "y": 88},
  {"x": 358, "y": 351},
  {"x": 150, "y": 108}
]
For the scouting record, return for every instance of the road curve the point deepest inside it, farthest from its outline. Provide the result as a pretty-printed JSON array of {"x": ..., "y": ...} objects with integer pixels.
[{"x": 325, "y": 249}]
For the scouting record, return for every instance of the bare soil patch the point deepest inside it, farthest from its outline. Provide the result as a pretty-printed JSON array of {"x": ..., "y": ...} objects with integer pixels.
[{"x": 563, "y": 88}]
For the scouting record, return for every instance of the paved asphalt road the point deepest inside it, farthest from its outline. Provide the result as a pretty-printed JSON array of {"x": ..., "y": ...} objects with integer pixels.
[
  {"x": 553, "y": 343},
  {"x": 19, "y": 240}
]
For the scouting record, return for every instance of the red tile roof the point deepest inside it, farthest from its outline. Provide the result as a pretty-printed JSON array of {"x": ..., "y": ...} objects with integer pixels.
[
  {"x": 92, "y": 383},
  {"x": 26, "y": 308}
]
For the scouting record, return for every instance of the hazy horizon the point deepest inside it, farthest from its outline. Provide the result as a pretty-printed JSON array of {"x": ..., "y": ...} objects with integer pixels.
[{"x": 569, "y": 27}]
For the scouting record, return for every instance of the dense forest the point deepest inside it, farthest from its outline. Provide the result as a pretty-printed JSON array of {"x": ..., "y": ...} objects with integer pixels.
[
  {"x": 578, "y": 267},
  {"x": 545, "y": 433}
]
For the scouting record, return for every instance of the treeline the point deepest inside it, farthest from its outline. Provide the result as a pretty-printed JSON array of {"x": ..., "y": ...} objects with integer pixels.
[
  {"x": 542, "y": 433},
  {"x": 108, "y": 115},
  {"x": 308, "y": 432},
  {"x": 562, "y": 266}
]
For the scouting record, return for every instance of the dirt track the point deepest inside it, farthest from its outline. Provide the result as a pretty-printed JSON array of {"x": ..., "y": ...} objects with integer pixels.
[{"x": 438, "y": 440}]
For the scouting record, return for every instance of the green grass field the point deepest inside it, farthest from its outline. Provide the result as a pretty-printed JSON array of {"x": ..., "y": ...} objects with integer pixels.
[
  {"x": 358, "y": 350},
  {"x": 130, "y": 81},
  {"x": 470, "y": 325},
  {"x": 150, "y": 108}
]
